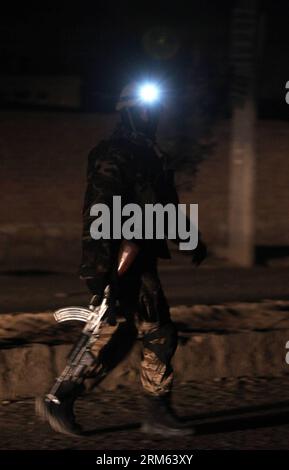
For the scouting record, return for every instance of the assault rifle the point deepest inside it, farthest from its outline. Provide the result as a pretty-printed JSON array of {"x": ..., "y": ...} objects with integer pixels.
[{"x": 80, "y": 358}]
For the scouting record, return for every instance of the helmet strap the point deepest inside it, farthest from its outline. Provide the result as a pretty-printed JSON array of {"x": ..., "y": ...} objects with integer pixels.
[{"x": 130, "y": 120}]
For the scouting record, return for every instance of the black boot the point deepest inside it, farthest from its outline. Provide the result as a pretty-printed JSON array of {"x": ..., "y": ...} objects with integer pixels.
[
  {"x": 160, "y": 418},
  {"x": 57, "y": 410}
]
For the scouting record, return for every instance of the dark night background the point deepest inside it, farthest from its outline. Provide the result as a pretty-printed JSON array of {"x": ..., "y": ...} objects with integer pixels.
[
  {"x": 62, "y": 69},
  {"x": 103, "y": 44},
  {"x": 223, "y": 66}
]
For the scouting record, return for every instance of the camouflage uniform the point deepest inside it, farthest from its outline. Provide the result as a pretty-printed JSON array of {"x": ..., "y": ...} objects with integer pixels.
[
  {"x": 128, "y": 165},
  {"x": 132, "y": 169}
]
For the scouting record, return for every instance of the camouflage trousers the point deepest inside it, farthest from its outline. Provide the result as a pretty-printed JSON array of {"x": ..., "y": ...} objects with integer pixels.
[{"x": 144, "y": 313}]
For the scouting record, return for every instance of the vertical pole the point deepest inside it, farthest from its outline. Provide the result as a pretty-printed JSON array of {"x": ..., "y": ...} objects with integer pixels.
[{"x": 242, "y": 152}]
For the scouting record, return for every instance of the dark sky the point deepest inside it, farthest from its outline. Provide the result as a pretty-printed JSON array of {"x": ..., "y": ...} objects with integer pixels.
[
  {"x": 102, "y": 41},
  {"x": 53, "y": 35}
]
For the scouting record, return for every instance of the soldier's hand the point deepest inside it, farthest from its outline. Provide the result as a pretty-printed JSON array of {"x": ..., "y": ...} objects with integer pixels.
[
  {"x": 199, "y": 253},
  {"x": 96, "y": 285},
  {"x": 95, "y": 301}
]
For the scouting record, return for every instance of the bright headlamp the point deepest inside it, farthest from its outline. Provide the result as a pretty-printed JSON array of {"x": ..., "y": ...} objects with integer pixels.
[{"x": 149, "y": 93}]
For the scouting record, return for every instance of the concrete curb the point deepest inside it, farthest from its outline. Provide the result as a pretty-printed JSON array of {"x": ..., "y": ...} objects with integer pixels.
[{"x": 229, "y": 340}]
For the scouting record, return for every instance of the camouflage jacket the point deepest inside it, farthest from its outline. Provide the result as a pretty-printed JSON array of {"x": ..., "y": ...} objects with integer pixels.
[{"x": 135, "y": 170}]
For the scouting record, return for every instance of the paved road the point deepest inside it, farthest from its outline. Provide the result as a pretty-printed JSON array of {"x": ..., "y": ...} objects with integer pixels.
[
  {"x": 227, "y": 414},
  {"x": 183, "y": 285},
  {"x": 217, "y": 407}
]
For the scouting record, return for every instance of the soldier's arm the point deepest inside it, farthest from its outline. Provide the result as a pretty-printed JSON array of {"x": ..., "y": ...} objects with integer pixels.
[
  {"x": 105, "y": 178},
  {"x": 200, "y": 252}
]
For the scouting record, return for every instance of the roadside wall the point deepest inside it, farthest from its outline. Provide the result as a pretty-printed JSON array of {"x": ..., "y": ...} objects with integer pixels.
[{"x": 42, "y": 179}]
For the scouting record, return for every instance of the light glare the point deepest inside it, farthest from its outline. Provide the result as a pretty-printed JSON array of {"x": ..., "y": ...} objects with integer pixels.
[{"x": 149, "y": 92}]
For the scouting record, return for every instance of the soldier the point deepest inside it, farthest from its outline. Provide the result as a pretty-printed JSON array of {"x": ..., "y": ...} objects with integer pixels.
[{"x": 130, "y": 165}]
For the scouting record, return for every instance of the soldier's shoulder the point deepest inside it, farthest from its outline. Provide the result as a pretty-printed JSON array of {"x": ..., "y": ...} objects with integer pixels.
[
  {"x": 110, "y": 148},
  {"x": 99, "y": 150},
  {"x": 107, "y": 154}
]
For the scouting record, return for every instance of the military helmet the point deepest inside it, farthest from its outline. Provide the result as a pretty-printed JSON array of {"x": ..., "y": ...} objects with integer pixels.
[{"x": 138, "y": 94}]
